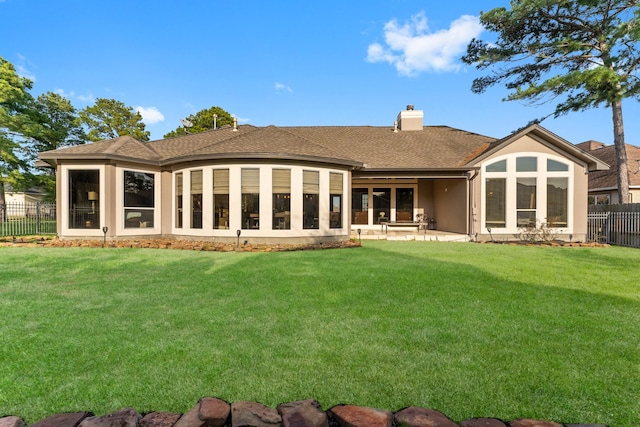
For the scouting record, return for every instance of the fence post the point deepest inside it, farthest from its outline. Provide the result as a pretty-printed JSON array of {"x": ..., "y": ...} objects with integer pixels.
[{"x": 37, "y": 217}]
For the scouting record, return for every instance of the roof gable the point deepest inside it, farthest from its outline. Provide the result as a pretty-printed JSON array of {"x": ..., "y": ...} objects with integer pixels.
[{"x": 543, "y": 135}]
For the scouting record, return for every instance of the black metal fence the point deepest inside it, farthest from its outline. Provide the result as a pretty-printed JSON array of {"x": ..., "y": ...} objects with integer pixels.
[
  {"x": 614, "y": 224},
  {"x": 27, "y": 219}
]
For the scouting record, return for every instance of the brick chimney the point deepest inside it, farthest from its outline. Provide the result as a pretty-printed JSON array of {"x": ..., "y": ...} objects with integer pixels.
[
  {"x": 410, "y": 119},
  {"x": 591, "y": 145}
]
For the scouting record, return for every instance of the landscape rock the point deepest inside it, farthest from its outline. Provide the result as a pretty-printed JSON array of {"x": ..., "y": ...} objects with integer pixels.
[
  {"x": 533, "y": 423},
  {"x": 127, "y": 417},
  {"x": 414, "y": 416},
  {"x": 68, "y": 419},
  {"x": 482, "y": 422},
  {"x": 160, "y": 419},
  {"x": 360, "y": 416},
  {"x": 303, "y": 413},
  {"x": 214, "y": 411},
  {"x": 12, "y": 421},
  {"x": 253, "y": 414},
  {"x": 191, "y": 418}
]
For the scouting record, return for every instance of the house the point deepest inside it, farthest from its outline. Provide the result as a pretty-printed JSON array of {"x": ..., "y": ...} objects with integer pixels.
[
  {"x": 24, "y": 204},
  {"x": 603, "y": 184},
  {"x": 32, "y": 195},
  {"x": 317, "y": 183}
]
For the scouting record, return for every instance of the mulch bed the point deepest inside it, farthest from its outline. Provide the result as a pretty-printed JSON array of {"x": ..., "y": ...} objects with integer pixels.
[{"x": 171, "y": 244}]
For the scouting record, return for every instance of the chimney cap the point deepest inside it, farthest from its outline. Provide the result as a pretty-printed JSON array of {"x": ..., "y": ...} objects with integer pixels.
[{"x": 410, "y": 107}]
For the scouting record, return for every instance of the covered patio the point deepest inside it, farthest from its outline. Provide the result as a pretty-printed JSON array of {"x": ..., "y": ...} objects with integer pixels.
[{"x": 411, "y": 235}]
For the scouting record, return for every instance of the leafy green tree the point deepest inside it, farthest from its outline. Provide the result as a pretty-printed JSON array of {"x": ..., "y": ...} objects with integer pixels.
[
  {"x": 56, "y": 125},
  {"x": 15, "y": 116},
  {"x": 580, "y": 53},
  {"x": 108, "y": 119},
  {"x": 204, "y": 120}
]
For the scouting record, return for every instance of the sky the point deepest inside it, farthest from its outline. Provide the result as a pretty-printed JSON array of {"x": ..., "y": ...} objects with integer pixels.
[{"x": 277, "y": 62}]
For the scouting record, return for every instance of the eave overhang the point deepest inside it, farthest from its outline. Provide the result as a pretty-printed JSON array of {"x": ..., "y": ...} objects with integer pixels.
[{"x": 545, "y": 136}]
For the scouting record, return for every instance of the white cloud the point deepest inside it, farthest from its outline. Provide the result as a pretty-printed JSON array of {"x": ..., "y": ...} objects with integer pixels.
[
  {"x": 283, "y": 88},
  {"x": 86, "y": 98},
  {"x": 413, "y": 48},
  {"x": 72, "y": 95},
  {"x": 62, "y": 93},
  {"x": 21, "y": 68},
  {"x": 150, "y": 115},
  {"x": 241, "y": 120}
]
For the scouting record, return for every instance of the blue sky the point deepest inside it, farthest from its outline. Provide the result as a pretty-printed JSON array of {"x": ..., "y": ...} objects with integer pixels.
[{"x": 286, "y": 63}]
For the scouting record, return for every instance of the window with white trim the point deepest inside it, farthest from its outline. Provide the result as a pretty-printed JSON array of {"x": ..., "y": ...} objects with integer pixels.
[
  {"x": 527, "y": 189},
  {"x": 139, "y": 199}
]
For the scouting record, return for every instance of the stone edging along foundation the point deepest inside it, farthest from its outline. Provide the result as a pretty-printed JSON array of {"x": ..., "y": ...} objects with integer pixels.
[{"x": 214, "y": 412}]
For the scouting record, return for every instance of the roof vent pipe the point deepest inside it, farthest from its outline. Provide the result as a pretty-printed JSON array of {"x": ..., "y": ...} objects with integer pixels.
[
  {"x": 395, "y": 127},
  {"x": 235, "y": 124}
]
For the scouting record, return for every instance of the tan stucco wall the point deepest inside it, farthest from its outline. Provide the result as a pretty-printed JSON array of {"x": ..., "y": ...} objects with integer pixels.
[
  {"x": 450, "y": 205},
  {"x": 425, "y": 197}
]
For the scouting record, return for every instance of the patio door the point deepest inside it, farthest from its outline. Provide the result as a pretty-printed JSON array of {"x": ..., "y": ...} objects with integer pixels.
[
  {"x": 381, "y": 205},
  {"x": 404, "y": 204}
]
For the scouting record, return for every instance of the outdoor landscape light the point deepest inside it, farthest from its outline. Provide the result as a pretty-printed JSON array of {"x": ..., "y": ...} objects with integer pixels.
[
  {"x": 238, "y": 234},
  {"x": 359, "y": 231},
  {"x": 104, "y": 230}
]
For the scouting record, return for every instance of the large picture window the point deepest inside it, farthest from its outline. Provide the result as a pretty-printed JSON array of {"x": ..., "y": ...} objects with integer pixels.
[
  {"x": 526, "y": 202},
  {"x": 311, "y": 199},
  {"x": 84, "y": 199},
  {"x": 250, "y": 198},
  {"x": 196, "y": 199},
  {"x": 139, "y": 199},
  {"x": 335, "y": 200},
  {"x": 281, "y": 190},
  {"x": 496, "y": 196},
  {"x": 179, "y": 191},
  {"x": 221, "y": 198},
  {"x": 527, "y": 190},
  {"x": 557, "y": 201}
]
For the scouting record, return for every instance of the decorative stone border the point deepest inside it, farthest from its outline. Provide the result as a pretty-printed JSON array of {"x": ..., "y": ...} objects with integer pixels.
[{"x": 214, "y": 412}]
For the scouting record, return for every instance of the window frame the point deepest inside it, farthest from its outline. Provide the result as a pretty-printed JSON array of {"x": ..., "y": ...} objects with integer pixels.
[
  {"x": 146, "y": 214},
  {"x": 511, "y": 177}
]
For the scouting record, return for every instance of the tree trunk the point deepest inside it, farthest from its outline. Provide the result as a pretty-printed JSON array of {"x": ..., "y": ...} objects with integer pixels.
[{"x": 621, "y": 152}]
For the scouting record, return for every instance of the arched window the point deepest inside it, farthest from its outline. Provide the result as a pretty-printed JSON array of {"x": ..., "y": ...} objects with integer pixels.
[{"x": 526, "y": 189}]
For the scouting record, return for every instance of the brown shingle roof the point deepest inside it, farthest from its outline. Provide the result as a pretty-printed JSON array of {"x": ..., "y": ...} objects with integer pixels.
[
  {"x": 435, "y": 147},
  {"x": 607, "y": 153},
  {"x": 381, "y": 148}
]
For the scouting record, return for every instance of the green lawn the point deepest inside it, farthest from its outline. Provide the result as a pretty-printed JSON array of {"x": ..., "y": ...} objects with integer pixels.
[{"x": 468, "y": 329}]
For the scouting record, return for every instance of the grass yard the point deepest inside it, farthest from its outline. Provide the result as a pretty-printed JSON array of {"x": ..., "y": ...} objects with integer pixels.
[{"x": 471, "y": 330}]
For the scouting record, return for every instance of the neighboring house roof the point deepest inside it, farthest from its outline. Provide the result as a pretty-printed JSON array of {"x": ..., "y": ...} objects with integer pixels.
[
  {"x": 369, "y": 148},
  {"x": 608, "y": 179}
]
